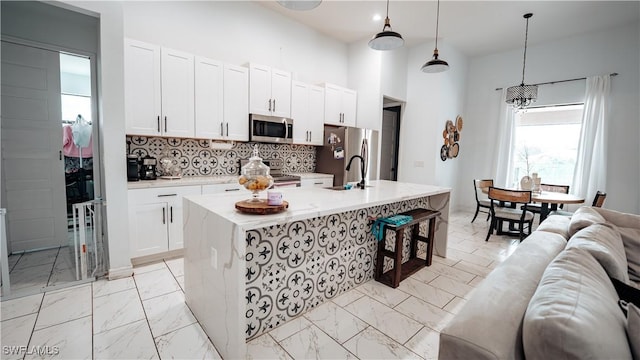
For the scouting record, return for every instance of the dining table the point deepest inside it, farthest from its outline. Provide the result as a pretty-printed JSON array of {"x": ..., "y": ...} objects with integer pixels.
[{"x": 549, "y": 201}]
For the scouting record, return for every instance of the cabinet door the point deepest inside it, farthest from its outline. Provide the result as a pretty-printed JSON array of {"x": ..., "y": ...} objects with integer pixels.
[
  {"x": 315, "y": 124},
  {"x": 232, "y": 188},
  {"x": 148, "y": 228},
  {"x": 281, "y": 93},
  {"x": 260, "y": 89},
  {"x": 333, "y": 105},
  {"x": 142, "y": 88},
  {"x": 349, "y": 102},
  {"x": 175, "y": 215},
  {"x": 236, "y": 102},
  {"x": 208, "y": 98},
  {"x": 319, "y": 182},
  {"x": 300, "y": 112},
  {"x": 177, "y": 94}
]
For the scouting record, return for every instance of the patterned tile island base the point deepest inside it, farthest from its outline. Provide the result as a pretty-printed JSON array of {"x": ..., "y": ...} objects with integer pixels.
[{"x": 247, "y": 274}]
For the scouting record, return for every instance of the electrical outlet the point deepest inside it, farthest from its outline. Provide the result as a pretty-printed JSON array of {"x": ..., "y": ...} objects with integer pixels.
[{"x": 214, "y": 258}]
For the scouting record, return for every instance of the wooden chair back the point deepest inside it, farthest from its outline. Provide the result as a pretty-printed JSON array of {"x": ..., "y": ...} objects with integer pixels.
[
  {"x": 512, "y": 196},
  {"x": 482, "y": 184},
  {"x": 599, "y": 199},
  {"x": 555, "y": 188}
]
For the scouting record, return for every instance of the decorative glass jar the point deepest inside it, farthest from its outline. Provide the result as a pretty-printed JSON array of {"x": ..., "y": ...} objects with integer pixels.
[{"x": 255, "y": 176}]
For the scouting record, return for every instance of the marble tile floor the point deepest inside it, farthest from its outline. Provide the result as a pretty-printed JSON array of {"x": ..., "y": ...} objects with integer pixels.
[
  {"x": 145, "y": 316},
  {"x": 30, "y": 272}
]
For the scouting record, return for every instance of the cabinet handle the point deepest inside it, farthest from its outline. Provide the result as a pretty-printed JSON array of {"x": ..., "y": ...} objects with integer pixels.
[
  {"x": 158, "y": 123},
  {"x": 60, "y": 154},
  {"x": 221, "y": 129},
  {"x": 171, "y": 213},
  {"x": 165, "y": 124},
  {"x": 269, "y": 104},
  {"x": 164, "y": 216},
  {"x": 166, "y": 195},
  {"x": 274, "y": 105},
  {"x": 318, "y": 183},
  {"x": 236, "y": 189},
  {"x": 310, "y": 135},
  {"x": 227, "y": 129}
]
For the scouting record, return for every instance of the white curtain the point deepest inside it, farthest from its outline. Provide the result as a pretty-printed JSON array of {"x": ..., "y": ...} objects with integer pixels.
[
  {"x": 590, "y": 174},
  {"x": 502, "y": 165}
]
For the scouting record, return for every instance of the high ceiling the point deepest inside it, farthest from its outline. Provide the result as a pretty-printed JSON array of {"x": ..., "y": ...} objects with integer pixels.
[{"x": 473, "y": 27}]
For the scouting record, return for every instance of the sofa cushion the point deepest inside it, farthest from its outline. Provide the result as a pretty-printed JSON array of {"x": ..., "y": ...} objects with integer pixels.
[
  {"x": 498, "y": 304},
  {"x": 556, "y": 224},
  {"x": 633, "y": 330},
  {"x": 631, "y": 240},
  {"x": 583, "y": 217},
  {"x": 574, "y": 313},
  {"x": 604, "y": 243}
]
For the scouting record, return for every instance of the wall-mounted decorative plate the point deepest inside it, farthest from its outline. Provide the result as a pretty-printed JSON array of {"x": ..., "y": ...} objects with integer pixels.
[{"x": 444, "y": 152}]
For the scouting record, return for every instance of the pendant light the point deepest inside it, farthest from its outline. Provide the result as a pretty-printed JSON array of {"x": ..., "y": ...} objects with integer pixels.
[
  {"x": 387, "y": 39},
  {"x": 300, "y": 5},
  {"x": 521, "y": 96},
  {"x": 436, "y": 65}
]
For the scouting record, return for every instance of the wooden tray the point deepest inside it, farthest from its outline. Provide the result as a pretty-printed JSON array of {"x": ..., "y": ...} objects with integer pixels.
[{"x": 260, "y": 208}]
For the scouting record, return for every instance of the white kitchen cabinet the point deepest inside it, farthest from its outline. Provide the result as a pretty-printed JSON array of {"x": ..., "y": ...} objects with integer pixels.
[
  {"x": 155, "y": 219},
  {"x": 222, "y": 188},
  {"x": 307, "y": 111},
  {"x": 340, "y": 105},
  {"x": 221, "y": 101},
  {"x": 269, "y": 91},
  {"x": 159, "y": 90},
  {"x": 322, "y": 182}
]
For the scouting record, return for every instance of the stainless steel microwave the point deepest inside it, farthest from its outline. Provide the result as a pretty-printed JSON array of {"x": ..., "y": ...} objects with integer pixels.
[{"x": 270, "y": 129}]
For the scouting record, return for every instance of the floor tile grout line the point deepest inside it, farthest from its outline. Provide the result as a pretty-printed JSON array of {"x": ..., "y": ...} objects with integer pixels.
[
  {"x": 146, "y": 318},
  {"x": 280, "y": 345},
  {"x": 33, "y": 329}
]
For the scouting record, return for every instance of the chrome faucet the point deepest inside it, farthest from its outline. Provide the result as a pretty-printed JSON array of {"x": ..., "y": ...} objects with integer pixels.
[{"x": 361, "y": 184}]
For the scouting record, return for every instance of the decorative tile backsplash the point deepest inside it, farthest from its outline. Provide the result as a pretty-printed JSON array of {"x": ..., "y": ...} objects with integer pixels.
[{"x": 196, "y": 158}]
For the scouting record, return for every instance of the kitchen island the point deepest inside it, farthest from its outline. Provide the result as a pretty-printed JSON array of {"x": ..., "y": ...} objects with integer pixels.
[{"x": 247, "y": 274}]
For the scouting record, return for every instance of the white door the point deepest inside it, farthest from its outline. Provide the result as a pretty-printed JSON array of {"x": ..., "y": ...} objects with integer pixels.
[
  {"x": 208, "y": 99},
  {"x": 333, "y": 105},
  {"x": 32, "y": 162},
  {"x": 316, "y": 115},
  {"x": 148, "y": 224},
  {"x": 236, "y": 102},
  {"x": 260, "y": 101},
  {"x": 300, "y": 112},
  {"x": 349, "y": 103},
  {"x": 177, "y": 93},
  {"x": 142, "y": 88}
]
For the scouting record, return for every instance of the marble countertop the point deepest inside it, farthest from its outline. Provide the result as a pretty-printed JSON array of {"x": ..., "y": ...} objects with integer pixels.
[
  {"x": 204, "y": 180},
  {"x": 306, "y": 203}
]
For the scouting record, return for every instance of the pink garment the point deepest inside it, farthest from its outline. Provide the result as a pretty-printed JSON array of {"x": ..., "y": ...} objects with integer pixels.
[{"x": 70, "y": 149}]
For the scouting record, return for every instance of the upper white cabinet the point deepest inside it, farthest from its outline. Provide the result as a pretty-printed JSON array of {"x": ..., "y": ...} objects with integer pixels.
[
  {"x": 307, "y": 111},
  {"x": 221, "y": 100},
  {"x": 159, "y": 90},
  {"x": 340, "y": 105},
  {"x": 269, "y": 91}
]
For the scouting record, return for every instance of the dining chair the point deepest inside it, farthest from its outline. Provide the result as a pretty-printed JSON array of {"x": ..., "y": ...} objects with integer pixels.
[
  {"x": 516, "y": 213},
  {"x": 536, "y": 208},
  {"x": 482, "y": 201}
]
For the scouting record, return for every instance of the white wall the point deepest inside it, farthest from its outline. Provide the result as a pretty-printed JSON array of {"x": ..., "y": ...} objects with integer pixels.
[
  {"x": 394, "y": 73},
  {"x": 238, "y": 32},
  {"x": 364, "y": 77},
  {"x": 432, "y": 99},
  {"x": 613, "y": 50}
]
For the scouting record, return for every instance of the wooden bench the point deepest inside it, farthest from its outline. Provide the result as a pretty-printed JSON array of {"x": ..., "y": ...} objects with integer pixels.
[{"x": 401, "y": 271}]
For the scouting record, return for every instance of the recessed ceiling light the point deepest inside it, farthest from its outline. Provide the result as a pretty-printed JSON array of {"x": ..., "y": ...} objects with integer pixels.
[{"x": 377, "y": 17}]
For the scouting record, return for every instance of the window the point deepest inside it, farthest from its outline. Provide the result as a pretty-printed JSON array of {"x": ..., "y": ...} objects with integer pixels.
[
  {"x": 75, "y": 86},
  {"x": 546, "y": 142}
]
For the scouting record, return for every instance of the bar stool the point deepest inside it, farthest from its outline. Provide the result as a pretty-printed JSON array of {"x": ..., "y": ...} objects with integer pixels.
[{"x": 401, "y": 271}]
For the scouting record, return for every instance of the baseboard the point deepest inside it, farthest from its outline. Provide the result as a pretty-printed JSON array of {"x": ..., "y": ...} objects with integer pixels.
[
  {"x": 120, "y": 273},
  {"x": 148, "y": 259}
]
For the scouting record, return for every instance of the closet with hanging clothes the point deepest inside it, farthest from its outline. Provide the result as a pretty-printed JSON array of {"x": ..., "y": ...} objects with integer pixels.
[{"x": 77, "y": 147}]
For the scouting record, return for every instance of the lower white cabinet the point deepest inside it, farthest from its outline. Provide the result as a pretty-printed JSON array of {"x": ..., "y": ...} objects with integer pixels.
[
  {"x": 317, "y": 182},
  {"x": 222, "y": 188},
  {"x": 155, "y": 219}
]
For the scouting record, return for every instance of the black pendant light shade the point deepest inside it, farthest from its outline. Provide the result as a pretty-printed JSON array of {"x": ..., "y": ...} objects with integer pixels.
[
  {"x": 521, "y": 96},
  {"x": 435, "y": 65},
  {"x": 300, "y": 5},
  {"x": 387, "y": 39}
]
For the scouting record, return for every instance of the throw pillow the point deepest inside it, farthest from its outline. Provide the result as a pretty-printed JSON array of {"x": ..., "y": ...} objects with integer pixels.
[
  {"x": 583, "y": 217},
  {"x": 633, "y": 330},
  {"x": 605, "y": 244}
]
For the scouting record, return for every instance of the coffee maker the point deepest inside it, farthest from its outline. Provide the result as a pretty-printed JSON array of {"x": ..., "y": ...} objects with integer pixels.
[
  {"x": 148, "y": 168},
  {"x": 133, "y": 168}
]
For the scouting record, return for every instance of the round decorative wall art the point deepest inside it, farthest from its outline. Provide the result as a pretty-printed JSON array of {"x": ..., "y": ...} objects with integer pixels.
[{"x": 451, "y": 135}]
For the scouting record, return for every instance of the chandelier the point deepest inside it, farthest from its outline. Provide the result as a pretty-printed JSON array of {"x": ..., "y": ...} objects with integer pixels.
[{"x": 521, "y": 96}]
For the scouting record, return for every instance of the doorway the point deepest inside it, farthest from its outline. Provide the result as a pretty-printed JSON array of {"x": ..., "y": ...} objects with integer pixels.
[
  {"x": 390, "y": 143},
  {"x": 47, "y": 165}
]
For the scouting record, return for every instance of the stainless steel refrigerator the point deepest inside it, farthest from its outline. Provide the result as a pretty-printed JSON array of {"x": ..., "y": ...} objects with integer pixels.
[{"x": 339, "y": 145}]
